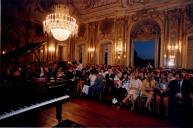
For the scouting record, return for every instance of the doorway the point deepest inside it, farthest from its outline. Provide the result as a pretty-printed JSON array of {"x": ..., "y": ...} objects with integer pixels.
[
  {"x": 62, "y": 55},
  {"x": 81, "y": 51},
  {"x": 144, "y": 52},
  {"x": 145, "y": 43},
  {"x": 105, "y": 53},
  {"x": 190, "y": 53}
]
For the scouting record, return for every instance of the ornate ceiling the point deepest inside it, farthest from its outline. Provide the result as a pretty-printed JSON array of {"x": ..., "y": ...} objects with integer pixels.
[{"x": 87, "y": 10}]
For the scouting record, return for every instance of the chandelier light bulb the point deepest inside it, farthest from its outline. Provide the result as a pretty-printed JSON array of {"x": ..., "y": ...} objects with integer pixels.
[
  {"x": 51, "y": 48},
  {"x": 169, "y": 47},
  {"x": 60, "y": 34},
  {"x": 176, "y": 47}
]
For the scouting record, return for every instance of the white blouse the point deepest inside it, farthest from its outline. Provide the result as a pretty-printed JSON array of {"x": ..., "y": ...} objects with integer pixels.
[{"x": 92, "y": 79}]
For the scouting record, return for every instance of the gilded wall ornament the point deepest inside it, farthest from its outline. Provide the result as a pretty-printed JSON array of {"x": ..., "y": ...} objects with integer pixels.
[
  {"x": 82, "y": 30},
  {"x": 146, "y": 28},
  {"x": 189, "y": 12},
  {"x": 98, "y": 3},
  {"x": 89, "y": 3},
  {"x": 106, "y": 26}
]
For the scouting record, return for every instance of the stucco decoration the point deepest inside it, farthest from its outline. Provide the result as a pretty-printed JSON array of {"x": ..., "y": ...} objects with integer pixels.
[
  {"x": 133, "y": 3},
  {"x": 188, "y": 24},
  {"x": 189, "y": 12},
  {"x": 81, "y": 30},
  {"x": 146, "y": 28},
  {"x": 106, "y": 26}
]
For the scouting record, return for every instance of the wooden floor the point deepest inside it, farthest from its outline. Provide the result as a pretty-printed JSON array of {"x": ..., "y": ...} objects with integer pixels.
[{"x": 87, "y": 112}]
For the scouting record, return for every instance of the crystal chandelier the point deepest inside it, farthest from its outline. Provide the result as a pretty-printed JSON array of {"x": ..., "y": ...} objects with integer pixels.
[{"x": 60, "y": 24}]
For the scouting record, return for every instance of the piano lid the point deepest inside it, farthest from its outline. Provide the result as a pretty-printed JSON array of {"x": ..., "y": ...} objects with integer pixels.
[{"x": 20, "y": 51}]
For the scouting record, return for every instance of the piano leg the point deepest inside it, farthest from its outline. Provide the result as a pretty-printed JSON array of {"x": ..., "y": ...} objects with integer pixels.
[{"x": 59, "y": 112}]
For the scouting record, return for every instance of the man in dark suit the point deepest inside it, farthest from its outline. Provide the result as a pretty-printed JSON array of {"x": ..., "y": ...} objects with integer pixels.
[
  {"x": 109, "y": 77},
  {"x": 180, "y": 91},
  {"x": 187, "y": 97},
  {"x": 174, "y": 94}
]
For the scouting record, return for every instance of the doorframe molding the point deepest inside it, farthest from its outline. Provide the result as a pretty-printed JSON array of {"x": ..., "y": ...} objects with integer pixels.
[
  {"x": 98, "y": 50},
  {"x": 160, "y": 40}
]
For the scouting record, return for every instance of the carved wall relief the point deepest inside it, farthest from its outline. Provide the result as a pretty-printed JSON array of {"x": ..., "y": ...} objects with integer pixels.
[
  {"x": 134, "y": 3},
  {"x": 173, "y": 25},
  {"x": 187, "y": 33},
  {"x": 130, "y": 3},
  {"x": 82, "y": 30},
  {"x": 188, "y": 25},
  {"x": 190, "y": 52},
  {"x": 146, "y": 29},
  {"x": 106, "y": 26},
  {"x": 189, "y": 12},
  {"x": 97, "y": 3},
  {"x": 151, "y": 13},
  {"x": 36, "y": 33}
]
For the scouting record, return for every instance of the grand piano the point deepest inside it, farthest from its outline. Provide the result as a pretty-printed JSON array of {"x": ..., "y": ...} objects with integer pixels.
[{"x": 18, "y": 98}]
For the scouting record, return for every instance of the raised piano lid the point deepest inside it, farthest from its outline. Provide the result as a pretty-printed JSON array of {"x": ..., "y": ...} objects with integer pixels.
[{"x": 20, "y": 51}]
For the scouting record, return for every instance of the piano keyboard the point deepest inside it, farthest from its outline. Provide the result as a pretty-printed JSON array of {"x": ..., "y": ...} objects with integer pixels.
[{"x": 33, "y": 106}]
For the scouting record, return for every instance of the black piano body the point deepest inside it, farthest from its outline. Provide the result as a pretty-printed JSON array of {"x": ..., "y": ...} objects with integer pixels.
[{"x": 20, "y": 97}]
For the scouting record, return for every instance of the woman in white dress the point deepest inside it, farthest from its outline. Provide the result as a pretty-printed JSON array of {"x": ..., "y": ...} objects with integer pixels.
[{"x": 133, "y": 91}]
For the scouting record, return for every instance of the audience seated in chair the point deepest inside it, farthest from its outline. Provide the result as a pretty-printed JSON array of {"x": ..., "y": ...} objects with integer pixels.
[
  {"x": 181, "y": 91},
  {"x": 147, "y": 90},
  {"x": 97, "y": 85},
  {"x": 122, "y": 86},
  {"x": 134, "y": 89},
  {"x": 84, "y": 81},
  {"x": 180, "y": 88},
  {"x": 162, "y": 93}
]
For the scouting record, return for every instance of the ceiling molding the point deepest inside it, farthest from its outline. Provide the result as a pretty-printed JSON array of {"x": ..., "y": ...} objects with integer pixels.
[{"x": 89, "y": 10}]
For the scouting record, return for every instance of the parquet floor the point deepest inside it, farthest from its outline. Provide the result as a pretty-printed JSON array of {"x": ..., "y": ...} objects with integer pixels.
[{"x": 86, "y": 112}]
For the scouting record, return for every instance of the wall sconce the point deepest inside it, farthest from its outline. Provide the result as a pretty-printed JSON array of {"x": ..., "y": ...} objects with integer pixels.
[
  {"x": 172, "y": 53},
  {"x": 173, "y": 47},
  {"x": 169, "y": 47},
  {"x": 119, "y": 47},
  {"x": 41, "y": 50},
  {"x": 118, "y": 57},
  {"x": 180, "y": 45},
  {"x": 3, "y": 52},
  {"x": 171, "y": 61},
  {"x": 165, "y": 55},
  {"x": 51, "y": 49},
  {"x": 91, "y": 49}
]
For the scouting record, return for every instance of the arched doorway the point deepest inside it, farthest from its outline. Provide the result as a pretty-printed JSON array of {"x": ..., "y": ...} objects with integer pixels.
[{"x": 145, "y": 31}]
